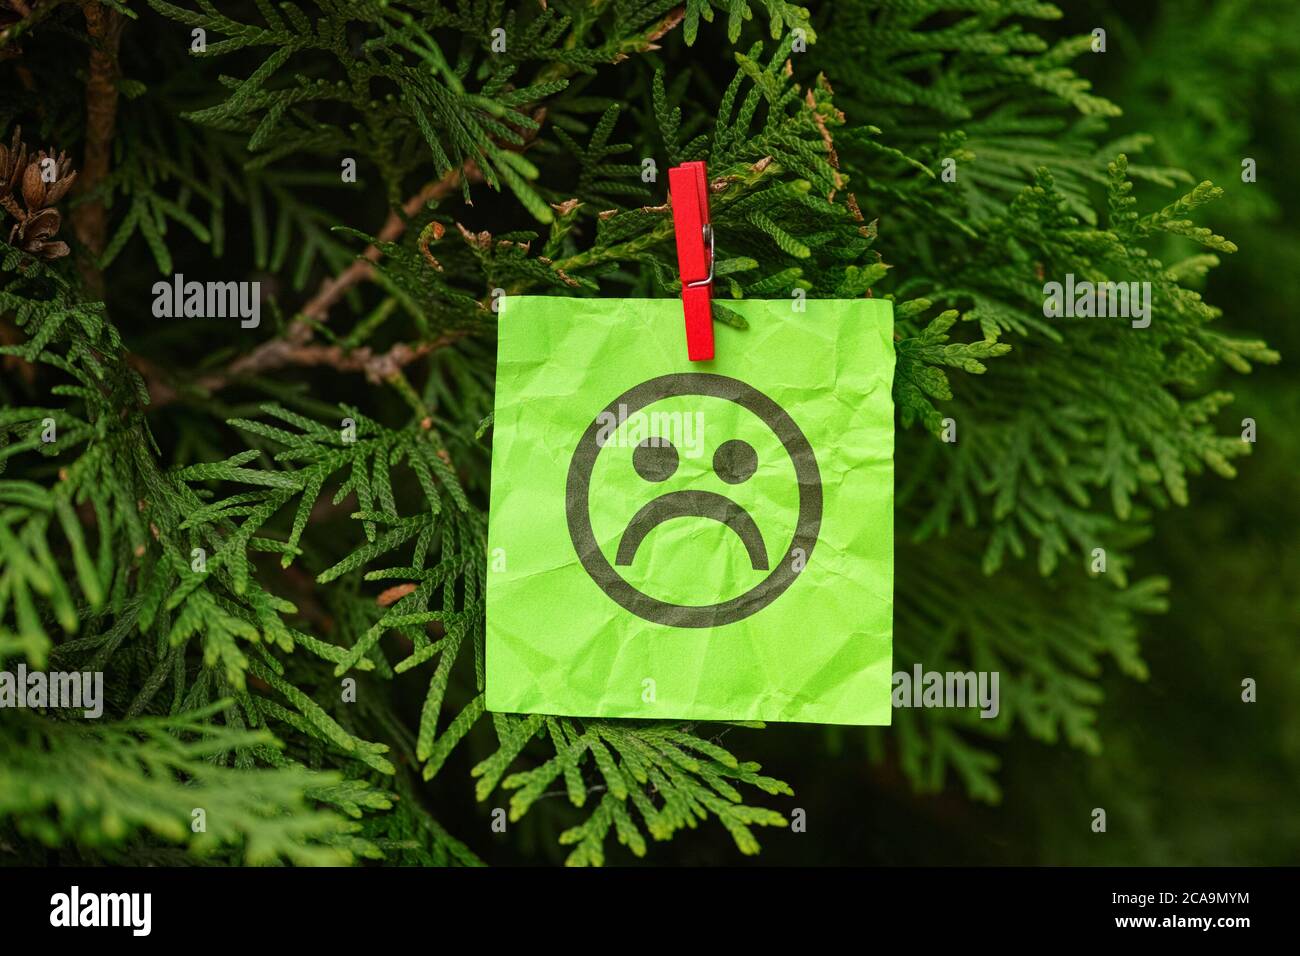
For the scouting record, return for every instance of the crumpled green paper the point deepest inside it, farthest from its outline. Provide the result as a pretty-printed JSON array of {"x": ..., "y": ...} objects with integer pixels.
[{"x": 692, "y": 540}]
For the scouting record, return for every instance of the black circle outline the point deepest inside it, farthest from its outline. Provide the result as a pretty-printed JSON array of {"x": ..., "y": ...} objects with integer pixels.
[{"x": 578, "y": 490}]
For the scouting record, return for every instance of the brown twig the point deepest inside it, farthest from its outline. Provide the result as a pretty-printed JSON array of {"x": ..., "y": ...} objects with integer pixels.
[
  {"x": 833, "y": 158},
  {"x": 378, "y": 367},
  {"x": 90, "y": 219},
  {"x": 295, "y": 348},
  {"x": 390, "y": 596},
  {"x": 334, "y": 288}
]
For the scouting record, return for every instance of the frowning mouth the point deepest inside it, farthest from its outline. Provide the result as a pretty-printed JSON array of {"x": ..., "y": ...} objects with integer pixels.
[{"x": 693, "y": 504}]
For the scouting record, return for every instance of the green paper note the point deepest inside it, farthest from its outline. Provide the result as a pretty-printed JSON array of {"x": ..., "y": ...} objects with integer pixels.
[{"x": 692, "y": 540}]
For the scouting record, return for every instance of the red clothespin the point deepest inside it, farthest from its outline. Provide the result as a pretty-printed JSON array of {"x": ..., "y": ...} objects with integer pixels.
[{"x": 688, "y": 186}]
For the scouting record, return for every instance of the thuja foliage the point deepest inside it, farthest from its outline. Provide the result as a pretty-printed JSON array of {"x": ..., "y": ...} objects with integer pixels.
[{"x": 271, "y": 541}]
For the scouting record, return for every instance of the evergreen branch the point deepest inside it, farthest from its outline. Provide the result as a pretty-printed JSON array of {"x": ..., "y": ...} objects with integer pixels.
[
  {"x": 643, "y": 768},
  {"x": 104, "y": 782}
]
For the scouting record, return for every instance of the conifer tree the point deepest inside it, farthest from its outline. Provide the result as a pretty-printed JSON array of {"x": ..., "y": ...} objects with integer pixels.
[{"x": 269, "y": 535}]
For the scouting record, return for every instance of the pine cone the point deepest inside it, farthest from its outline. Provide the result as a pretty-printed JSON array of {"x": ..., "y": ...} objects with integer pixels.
[
  {"x": 39, "y": 222},
  {"x": 35, "y": 234},
  {"x": 38, "y": 193}
]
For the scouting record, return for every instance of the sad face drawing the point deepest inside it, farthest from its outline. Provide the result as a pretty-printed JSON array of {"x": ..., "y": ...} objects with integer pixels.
[{"x": 759, "y": 487}]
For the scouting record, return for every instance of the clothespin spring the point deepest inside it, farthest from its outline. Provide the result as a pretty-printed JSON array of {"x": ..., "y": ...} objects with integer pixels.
[{"x": 707, "y": 232}]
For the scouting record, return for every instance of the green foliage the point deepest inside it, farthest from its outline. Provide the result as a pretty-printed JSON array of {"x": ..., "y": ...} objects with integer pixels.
[
  {"x": 104, "y": 784},
  {"x": 285, "y": 588},
  {"x": 668, "y": 775}
]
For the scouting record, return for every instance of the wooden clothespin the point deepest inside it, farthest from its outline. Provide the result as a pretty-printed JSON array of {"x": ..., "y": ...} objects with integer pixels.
[{"x": 688, "y": 186}]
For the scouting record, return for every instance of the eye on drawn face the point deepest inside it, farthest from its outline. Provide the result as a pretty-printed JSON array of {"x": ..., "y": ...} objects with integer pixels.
[
  {"x": 655, "y": 459},
  {"x": 735, "y": 462}
]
